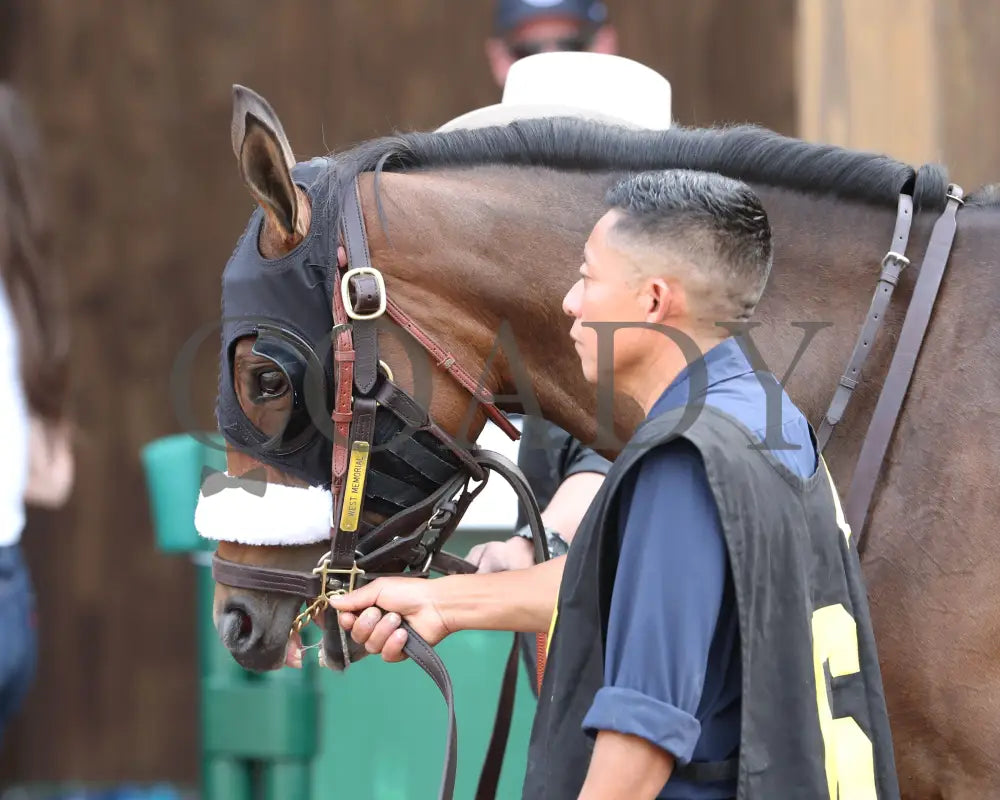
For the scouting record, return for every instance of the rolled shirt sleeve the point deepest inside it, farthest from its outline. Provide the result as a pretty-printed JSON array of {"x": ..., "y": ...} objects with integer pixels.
[{"x": 665, "y": 603}]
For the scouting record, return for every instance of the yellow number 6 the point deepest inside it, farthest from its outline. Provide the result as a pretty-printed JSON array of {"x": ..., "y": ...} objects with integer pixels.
[{"x": 850, "y": 765}]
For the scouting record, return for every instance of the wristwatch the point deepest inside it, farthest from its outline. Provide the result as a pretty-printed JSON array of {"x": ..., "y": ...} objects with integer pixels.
[{"x": 557, "y": 545}]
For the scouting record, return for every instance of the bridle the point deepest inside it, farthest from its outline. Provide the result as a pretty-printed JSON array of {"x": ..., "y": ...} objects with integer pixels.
[{"x": 412, "y": 539}]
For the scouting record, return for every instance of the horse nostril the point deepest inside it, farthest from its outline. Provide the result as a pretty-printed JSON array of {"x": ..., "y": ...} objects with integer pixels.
[{"x": 237, "y": 628}]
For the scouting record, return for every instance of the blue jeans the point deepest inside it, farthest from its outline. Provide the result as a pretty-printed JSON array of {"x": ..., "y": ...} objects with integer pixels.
[{"x": 18, "y": 634}]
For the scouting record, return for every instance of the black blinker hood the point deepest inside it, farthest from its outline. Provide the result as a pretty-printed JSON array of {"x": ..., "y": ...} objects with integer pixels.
[{"x": 290, "y": 295}]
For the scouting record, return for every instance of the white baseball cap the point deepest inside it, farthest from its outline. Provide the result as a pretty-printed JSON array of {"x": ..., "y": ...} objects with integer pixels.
[{"x": 595, "y": 86}]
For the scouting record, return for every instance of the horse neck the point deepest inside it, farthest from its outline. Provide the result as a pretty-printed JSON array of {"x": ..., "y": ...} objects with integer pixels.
[
  {"x": 481, "y": 259},
  {"x": 474, "y": 255}
]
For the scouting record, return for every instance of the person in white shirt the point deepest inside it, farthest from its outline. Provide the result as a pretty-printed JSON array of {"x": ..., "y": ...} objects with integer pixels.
[
  {"x": 14, "y": 424},
  {"x": 17, "y": 655},
  {"x": 36, "y": 466}
]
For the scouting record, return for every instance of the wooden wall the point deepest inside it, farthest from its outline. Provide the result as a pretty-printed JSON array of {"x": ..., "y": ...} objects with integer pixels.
[
  {"x": 134, "y": 102},
  {"x": 912, "y": 78}
]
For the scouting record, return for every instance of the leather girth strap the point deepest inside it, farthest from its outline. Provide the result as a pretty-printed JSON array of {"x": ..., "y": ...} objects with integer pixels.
[
  {"x": 897, "y": 381},
  {"x": 892, "y": 265}
]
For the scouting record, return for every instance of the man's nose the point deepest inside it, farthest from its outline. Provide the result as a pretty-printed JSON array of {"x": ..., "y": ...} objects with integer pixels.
[{"x": 569, "y": 302}]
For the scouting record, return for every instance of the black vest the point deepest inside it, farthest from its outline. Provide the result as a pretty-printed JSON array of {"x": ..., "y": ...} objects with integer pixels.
[{"x": 803, "y": 620}]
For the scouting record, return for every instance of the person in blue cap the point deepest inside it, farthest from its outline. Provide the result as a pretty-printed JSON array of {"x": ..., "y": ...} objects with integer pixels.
[{"x": 523, "y": 28}]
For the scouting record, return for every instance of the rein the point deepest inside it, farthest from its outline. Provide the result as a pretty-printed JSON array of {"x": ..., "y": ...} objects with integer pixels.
[
  {"x": 904, "y": 358},
  {"x": 412, "y": 538}
]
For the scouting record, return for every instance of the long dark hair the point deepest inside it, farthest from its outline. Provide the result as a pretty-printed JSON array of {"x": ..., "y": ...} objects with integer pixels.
[{"x": 26, "y": 265}]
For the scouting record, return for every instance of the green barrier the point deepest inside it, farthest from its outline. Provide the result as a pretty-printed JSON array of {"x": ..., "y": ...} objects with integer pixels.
[{"x": 375, "y": 731}]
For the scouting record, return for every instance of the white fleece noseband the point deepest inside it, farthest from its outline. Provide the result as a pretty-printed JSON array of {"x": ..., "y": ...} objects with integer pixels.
[{"x": 283, "y": 515}]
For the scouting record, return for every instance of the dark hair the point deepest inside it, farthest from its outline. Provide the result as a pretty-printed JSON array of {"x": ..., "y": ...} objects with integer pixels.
[
  {"x": 26, "y": 265},
  {"x": 716, "y": 223}
]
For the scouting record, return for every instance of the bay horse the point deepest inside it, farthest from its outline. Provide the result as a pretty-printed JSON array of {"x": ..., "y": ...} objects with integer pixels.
[{"x": 481, "y": 232}]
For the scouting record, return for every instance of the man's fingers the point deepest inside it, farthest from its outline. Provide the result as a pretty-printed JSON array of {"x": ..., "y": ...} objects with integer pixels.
[
  {"x": 347, "y": 620},
  {"x": 359, "y": 599},
  {"x": 393, "y": 649},
  {"x": 365, "y": 624},
  {"x": 380, "y": 634}
]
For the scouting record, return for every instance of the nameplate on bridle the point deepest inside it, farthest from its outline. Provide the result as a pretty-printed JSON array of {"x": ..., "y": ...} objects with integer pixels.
[{"x": 356, "y": 472}]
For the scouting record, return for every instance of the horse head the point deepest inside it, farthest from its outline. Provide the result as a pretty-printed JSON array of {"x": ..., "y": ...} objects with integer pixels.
[
  {"x": 254, "y": 625},
  {"x": 279, "y": 379}
]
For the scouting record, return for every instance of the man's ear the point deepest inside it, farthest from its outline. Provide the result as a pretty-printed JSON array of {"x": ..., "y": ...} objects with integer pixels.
[{"x": 659, "y": 296}]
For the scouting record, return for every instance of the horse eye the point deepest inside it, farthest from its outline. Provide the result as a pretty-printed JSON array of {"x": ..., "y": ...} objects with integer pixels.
[{"x": 271, "y": 384}]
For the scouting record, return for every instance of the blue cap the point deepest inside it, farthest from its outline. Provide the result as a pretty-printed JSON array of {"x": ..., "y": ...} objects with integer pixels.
[{"x": 508, "y": 14}]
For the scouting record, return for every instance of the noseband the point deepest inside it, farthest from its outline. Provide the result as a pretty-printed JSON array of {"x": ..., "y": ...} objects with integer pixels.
[{"x": 411, "y": 540}]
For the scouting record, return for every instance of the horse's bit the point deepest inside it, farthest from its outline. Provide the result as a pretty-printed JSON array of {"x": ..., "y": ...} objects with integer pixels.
[{"x": 411, "y": 539}]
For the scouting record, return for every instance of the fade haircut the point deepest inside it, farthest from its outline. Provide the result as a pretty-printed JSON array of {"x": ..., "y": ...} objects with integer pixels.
[{"x": 714, "y": 226}]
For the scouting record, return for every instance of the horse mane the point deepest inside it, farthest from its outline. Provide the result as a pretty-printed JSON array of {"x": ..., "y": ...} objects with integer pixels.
[
  {"x": 986, "y": 196},
  {"x": 745, "y": 152}
]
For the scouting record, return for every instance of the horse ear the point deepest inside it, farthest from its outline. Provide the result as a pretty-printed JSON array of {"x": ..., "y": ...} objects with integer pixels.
[{"x": 265, "y": 156}]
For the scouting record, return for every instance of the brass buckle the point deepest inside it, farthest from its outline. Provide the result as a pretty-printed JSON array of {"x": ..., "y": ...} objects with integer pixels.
[
  {"x": 323, "y": 568},
  {"x": 323, "y": 600},
  {"x": 345, "y": 293},
  {"x": 899, "y": 258}
]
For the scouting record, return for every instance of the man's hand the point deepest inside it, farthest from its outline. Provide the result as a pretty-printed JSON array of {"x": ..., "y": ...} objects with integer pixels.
[
  {"x": 373, "y": 613},
  {"x": 516, "y": 553}
]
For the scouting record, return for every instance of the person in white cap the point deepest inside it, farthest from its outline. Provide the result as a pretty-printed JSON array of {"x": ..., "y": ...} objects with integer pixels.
[
  {"x": 563, "y": 473},
  {"x": 523, "y": 28}
]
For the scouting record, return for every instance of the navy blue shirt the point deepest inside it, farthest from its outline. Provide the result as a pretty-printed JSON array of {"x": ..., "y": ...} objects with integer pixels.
[{"x": 672, "y": 663}]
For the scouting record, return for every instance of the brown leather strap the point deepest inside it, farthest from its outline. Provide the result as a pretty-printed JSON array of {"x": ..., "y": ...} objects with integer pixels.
[
  {"x": 897, "y": 381},
  {"x": 343, "y": 358},
  {"x": 429, "y": 661},
  {"x": 265, "y": 579},
  {"x": 365, "y": 291},
  {"x": 448, "y": 362},
  {"x": 892, "y": 264},
  {"x": 496, "y": 462},
  {"x": 447, "y": 564},
  {"x": 489, "y": 776}
]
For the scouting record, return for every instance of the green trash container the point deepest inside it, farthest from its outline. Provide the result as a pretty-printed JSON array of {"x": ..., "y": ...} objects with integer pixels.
[{"x": 375, "y": 731}]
